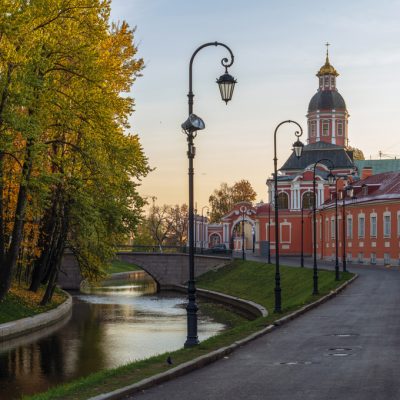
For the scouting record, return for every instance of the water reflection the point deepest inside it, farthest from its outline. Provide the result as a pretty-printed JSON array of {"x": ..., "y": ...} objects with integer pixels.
[{"x": 108, "y": 327}]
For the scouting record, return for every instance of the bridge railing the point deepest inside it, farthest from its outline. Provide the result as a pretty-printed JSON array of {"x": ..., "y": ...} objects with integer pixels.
[
  {"x": 172, "y": 249},
  {"x": 152, "y": 249}
]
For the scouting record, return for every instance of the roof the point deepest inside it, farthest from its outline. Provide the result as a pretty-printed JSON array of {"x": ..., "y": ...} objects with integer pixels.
[
  {"x": 378, "y": 166},
  {"x": 327, "y": 68},
  {"x": 326, "y": 100},
  {"x": 381, "y": 187},
  {"x": 316, "y": 151},
  {"x": 389, "y": 183}
]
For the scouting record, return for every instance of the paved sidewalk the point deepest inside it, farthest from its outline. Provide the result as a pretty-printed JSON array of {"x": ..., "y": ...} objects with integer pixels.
[{"x": 345, "y": 349}]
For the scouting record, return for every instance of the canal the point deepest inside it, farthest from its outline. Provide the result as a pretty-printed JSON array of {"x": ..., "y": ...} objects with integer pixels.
[{"x": 109, "y": 326}]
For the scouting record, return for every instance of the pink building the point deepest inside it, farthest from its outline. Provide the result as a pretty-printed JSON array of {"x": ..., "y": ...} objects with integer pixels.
[{"x": 327, "y": 138}]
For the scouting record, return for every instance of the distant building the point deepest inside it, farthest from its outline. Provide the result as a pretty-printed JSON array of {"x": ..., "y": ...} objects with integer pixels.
[{"x": 373, "y": 217}]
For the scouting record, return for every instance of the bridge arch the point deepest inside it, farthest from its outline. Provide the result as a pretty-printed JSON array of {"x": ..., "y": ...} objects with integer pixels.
[{"x": 167, "y": 269}]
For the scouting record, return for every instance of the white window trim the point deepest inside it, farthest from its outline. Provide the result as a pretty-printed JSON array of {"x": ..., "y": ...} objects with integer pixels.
[
  {"x": 371, "y": 234},
  {"x": 349, "y": 232},
  {"x": 387, "y": 214},
  {"x": 398, "y": 223},
  {"x": 361, "y": 235},
  {"x": 325, "y": 123},
  {"x": 339, "y": 124}
]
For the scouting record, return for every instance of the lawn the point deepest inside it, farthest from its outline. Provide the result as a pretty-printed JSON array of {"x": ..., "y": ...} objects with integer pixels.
[
  {"x": 246, "y": 279},
  {"x": 121, "y": 266},
  {"x": 21, "y": 303}
]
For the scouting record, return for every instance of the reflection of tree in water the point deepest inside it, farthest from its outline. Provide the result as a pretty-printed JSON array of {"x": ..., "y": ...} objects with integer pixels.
[
  {"x": 77, "y": 348},
  {"x": 90, "y": 355},
  {"x": 52, "y": 356}
]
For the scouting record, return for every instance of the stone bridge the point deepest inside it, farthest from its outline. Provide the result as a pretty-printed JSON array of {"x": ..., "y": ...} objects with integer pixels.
[{"x": 165, "y": 268}]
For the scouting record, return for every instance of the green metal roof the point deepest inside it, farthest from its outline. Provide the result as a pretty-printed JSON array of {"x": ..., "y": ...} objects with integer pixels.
[{"x": 378, "y": 166}]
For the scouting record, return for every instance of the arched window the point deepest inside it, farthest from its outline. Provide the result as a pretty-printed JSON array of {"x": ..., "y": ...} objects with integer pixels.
[
  {"x": 283, "y": 201},
  {"x": 308, "y": 200}
]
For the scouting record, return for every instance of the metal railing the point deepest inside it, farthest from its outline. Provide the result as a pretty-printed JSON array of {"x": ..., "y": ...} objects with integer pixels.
[{"x": 172, "y": 249}]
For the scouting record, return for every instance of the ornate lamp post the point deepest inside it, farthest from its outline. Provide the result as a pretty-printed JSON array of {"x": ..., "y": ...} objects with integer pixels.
[
  {"x": 298, "y": 149},
  {"x": 302, "y": 236},
  {"x": 243, "y": 210},
  {"x": 269, "y": 233},
  {"x": 331, "y": 179},
  {"x": 195, "y": 229},
  {"x": 190, "y": 127},
  {"x": 349, "y": 191},
  {"x": 337, "y": 277},
  {"x": 202, "y": 227}
]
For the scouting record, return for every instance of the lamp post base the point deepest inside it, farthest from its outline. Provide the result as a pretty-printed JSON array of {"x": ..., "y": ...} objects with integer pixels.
[{"x": 191, "y": 308}]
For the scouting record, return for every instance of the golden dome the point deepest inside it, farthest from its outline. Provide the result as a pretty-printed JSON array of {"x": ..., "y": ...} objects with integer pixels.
[{"x": 327, "y": 68}]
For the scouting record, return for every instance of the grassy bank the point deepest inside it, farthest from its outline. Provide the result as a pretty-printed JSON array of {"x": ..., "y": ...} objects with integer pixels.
[
  {"x": 246, "y": 279},
  {"x": 21, "y": 303},
  {"x": 121, "y": 266}
]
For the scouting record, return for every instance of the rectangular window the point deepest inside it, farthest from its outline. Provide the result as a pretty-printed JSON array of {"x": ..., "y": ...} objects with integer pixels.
[
  {"x": 313, "y": 128},
  {"x": 340, "y": 128},
  {"x": 327, "y": 230},
  {"x": 373, "y": 229},
  {"x": 333, "y": 229},
  {"x": 361, "y": 226},
  {"x": 325, "y": 128},
  {"x": 373, "y": 258},
  {"x": 386, "y": 258},
  {"x": 386, "y": 225},
  {"x": 349, "y": 257},
  {"x": 360, "y": 258},
  {"x": 349, "y": 228}
]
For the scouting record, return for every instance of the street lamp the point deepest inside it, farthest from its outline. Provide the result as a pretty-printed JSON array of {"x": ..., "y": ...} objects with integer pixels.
[
  {"x": 349, "y": 191},
  {"x": 337, "y": 277},
  {"x": 298, "y": 149},
  {"x": 331, "y": 180},
  {"x": 190, "y": 127},
  {"x": 195, "y": 229},
  {"x": 302, "y": 236},
  {"x": 269, "y": 233},
  {"x": 243, "y": 210},
  {"x": 202, "y": 226}
]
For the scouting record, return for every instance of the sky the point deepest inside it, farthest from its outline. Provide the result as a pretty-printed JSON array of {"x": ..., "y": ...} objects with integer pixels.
[{"x": 279, "y": 46}]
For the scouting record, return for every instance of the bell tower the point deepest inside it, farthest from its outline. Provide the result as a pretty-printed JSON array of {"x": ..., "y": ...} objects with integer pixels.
[{"x": 327, "y": 113}]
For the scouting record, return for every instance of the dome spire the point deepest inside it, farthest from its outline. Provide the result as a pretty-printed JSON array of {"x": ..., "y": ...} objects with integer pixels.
[
  {"x": 327, "y": 68},
  {"x": 327, "y": 52}
]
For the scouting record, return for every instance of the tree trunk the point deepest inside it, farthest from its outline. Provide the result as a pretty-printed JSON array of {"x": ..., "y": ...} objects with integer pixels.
[
  {"x": 57, "y": 256},
  {"x": 12, "y": 254},
  {"x": 46, "y": 239}
]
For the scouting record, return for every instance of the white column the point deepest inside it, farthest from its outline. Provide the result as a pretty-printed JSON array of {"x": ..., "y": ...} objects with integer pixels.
[
  {"x": 333, "y": 129},
  {"x": 292, "y": 191},
  {"x": 226, "y": 233}
]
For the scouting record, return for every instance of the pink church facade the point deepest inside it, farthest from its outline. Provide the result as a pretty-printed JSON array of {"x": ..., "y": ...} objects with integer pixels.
[{"x": 327, "y": 138}]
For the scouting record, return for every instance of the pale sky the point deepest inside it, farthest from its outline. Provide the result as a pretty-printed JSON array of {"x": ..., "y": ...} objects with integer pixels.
[{"x": 278, "y": 48}]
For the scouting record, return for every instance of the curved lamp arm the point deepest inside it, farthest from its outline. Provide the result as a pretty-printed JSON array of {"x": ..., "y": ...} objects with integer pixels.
[{"x": 225, "y": 63}]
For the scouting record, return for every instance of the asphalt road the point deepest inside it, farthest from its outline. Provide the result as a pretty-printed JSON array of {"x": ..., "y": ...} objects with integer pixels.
[{"x": 347, "y": 349}]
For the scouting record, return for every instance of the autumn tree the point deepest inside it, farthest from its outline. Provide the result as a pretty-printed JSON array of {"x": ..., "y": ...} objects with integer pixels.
[
  {"x": 160, "y": 223},
  {"x": 222, "y": 199},
  {"x": 164, "y": 225},
  {"x": 179, "y": 215},
  {"x": 66, "y": 163},
  {"x": 357, "y": 153}
]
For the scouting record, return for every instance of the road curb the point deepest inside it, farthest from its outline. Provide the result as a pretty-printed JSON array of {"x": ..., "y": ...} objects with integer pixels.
[{"x": 215, "y": 355}]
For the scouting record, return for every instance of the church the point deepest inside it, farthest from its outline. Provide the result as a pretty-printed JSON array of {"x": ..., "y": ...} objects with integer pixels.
[{"x": 366, "y": 222}]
